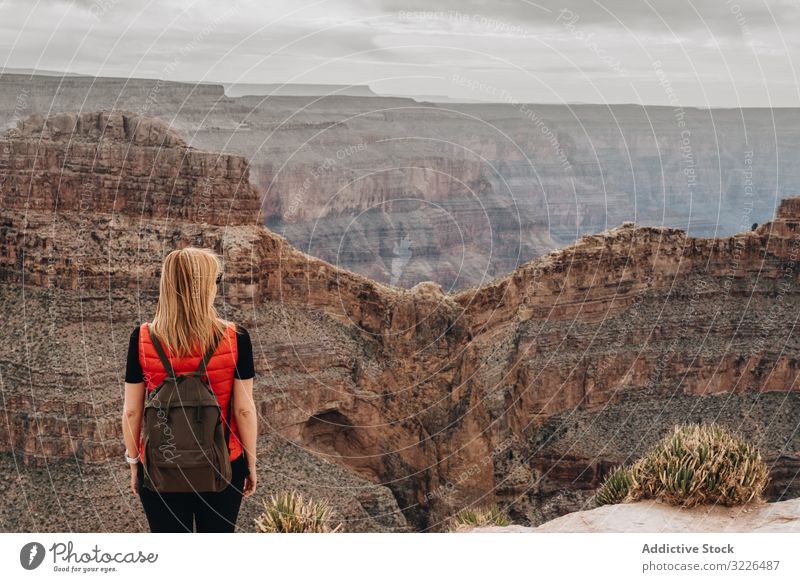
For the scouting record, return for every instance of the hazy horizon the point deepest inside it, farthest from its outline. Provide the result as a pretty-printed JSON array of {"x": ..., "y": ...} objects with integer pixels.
[{"x": 67, "y": 75}]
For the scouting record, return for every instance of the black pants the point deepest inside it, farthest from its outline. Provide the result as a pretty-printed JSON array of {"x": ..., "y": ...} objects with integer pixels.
[{"x": 211, "y": 512}]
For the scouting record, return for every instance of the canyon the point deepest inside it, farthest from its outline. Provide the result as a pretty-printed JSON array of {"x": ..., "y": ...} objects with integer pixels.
[
  {"x": 399, "y": 405},
  {"x": 404, "y": 191}
]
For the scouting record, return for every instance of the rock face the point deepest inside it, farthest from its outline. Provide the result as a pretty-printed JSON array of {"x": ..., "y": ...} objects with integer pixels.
[
  {"x": 404, "y": 191},
  {"x": 117, "y": 163},
  {"x": 656, "y": 517},
  {"x": 67, "y": 178},
  {"x": 526, "y": 391},
  {"x": 91, "y": 203}
]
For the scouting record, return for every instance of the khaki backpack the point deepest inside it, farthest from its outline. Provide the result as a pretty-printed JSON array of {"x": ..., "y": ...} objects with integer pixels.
[{"x": 186, "y": 447}]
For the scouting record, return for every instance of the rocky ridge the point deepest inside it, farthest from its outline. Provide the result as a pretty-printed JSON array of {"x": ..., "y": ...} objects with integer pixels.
[{"x": 404, "y": 191}]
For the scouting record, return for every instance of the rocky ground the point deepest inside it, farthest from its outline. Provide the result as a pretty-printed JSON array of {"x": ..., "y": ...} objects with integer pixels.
[{"x": 57, "y": 495}]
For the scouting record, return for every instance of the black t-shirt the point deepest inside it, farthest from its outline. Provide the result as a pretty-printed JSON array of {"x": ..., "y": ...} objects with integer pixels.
[{"x": 245, "y": 368}]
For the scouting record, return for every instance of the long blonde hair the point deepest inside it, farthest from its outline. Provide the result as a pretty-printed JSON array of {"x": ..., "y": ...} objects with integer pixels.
[{"x": 186, "y": 319}]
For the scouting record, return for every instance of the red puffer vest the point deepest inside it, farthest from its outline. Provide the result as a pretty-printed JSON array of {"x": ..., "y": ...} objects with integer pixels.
[{"x": 221, "y": 368}]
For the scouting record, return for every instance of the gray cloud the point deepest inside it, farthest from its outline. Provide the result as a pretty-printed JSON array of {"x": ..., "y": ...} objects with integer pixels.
[
  {"x": 713, "y": 51},
  {"x": 720, "y": 16}
]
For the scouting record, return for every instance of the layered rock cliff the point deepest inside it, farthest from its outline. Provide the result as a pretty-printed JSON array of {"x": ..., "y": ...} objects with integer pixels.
[
  {"x": 405, "y": 191},
  {"x": 526, "y": 390}
]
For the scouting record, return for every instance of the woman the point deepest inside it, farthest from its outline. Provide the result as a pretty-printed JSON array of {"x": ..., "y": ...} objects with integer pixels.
[{"x": 186, "y": 324}]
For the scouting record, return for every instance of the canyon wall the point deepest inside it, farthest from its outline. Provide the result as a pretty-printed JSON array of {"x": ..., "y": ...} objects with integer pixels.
[
  {"x": 91, "y": 205},
  {"x": 405, "y": 191},
  {"x": 408, "y": 404}
]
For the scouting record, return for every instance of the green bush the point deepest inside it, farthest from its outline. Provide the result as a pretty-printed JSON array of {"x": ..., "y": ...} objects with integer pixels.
[
  {"x": 695, "y": 464},
  {"x": 289, "y": 512},
  {"x": 478, "y": 517},
  {"x": 615, "y": 488}
]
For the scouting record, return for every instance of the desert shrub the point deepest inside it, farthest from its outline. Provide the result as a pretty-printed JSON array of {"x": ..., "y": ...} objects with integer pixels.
[
  {"x": 290, "y": 512},
  {"x": 695, "y": 464},
  {"x": 615, "y": 488},
  {"x": 478, "y": 517}
]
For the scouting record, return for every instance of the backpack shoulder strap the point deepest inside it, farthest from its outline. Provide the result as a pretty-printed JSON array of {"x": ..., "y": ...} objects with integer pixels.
[
  {"x": 203, "y": 367},
  {"x": 161, "y": 354}
]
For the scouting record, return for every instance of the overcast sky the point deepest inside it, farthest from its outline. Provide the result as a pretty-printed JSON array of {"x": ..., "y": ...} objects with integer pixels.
[{"x": 701, "y": 52}]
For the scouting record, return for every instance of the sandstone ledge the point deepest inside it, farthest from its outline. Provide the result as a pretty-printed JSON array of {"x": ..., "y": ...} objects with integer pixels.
[{"x": 657, "y": 517}]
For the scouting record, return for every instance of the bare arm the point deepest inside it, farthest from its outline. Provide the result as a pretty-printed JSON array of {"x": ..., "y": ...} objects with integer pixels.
[
  {"x": 133, "y": 410},
  {"x": 244, "y": 411},
  {"x": 132, "y": 413}
]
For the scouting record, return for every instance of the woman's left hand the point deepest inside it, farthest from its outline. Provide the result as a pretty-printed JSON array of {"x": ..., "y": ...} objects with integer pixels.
[{"x": 134, "y": 484}]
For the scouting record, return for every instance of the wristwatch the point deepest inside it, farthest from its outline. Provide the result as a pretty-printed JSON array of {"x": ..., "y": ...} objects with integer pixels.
[{"x": 131, "y": 460}]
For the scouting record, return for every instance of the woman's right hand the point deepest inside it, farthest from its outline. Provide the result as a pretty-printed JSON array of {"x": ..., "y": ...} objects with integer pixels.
[{"x": 250, "y": 482}]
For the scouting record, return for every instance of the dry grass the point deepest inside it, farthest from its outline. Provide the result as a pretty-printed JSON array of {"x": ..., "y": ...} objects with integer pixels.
[
  {"x": 290, "y": 512},
  {"x": 695, "y": 464},
  {"x": 478, "y": 517}
]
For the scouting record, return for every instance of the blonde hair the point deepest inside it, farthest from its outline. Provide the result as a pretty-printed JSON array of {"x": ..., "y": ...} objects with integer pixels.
[{"x": 186, "y": 320}]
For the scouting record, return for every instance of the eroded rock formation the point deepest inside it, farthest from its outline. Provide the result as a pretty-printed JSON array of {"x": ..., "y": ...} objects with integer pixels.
[{"x": 526, "y": 390}]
